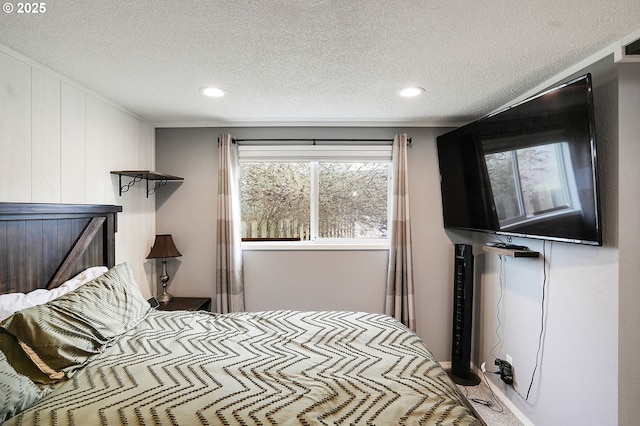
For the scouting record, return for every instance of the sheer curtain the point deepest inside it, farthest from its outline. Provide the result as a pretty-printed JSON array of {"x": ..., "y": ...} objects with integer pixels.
[
  {"x": 399, "y": 300},
  {"x": 229, "y": 277}
]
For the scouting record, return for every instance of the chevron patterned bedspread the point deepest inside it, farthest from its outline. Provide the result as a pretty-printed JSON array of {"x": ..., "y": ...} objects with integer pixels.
[{"x": 268, "y": 368}]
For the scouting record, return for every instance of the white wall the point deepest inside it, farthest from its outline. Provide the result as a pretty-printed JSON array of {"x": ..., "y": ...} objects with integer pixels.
[
  {"x": 575, "y": 381},
  {"x": 629, "y": 294},
  {"x": 350, "y": 280},
  {"x": 58, "y": 143}
]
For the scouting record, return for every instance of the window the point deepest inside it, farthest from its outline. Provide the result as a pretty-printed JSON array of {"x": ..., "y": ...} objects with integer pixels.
[
  {"x": 315, "y": 194},
  {"x": 275, "y": 200},
  {"x": 532, "y": 183}
]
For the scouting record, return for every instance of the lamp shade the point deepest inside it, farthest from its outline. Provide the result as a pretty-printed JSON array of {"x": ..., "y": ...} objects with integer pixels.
[{"x": 163, "y": 247}]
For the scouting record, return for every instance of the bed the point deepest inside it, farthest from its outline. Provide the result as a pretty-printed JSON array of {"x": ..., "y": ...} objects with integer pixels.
[{"x": 99, "y": 354}]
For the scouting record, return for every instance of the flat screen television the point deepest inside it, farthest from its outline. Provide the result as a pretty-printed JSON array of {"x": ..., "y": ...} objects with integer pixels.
[{"x": 528, "y": 170}]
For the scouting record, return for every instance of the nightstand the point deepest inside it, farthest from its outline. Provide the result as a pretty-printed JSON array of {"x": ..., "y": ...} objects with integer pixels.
[{"x": 186, "y": 304}]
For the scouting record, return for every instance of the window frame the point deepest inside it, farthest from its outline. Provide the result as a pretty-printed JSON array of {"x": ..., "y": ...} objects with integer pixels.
[
  {"x": 568, "y": 187},
  {"x": 314, "y": 154}
]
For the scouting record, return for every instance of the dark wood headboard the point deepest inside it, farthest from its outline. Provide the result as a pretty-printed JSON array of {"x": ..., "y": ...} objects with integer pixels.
[{"x": 43, "y": 245}]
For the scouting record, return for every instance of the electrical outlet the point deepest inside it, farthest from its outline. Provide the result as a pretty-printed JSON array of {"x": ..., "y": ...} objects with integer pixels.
[
  {"x": 506, "y": 373},
  {"x": 509, "y": 359}
]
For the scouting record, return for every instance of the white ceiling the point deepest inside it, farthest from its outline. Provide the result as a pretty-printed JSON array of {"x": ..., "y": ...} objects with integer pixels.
[{"x": 315, "y": 61}]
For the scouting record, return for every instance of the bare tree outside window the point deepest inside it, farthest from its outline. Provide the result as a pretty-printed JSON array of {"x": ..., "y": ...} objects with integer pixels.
[
  {"x": 276, "y": 200},
  {"x": 353, "y": 200}
]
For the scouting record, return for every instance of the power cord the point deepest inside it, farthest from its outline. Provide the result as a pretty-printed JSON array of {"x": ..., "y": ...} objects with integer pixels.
[
  {"x": 499, "y": 326},
  {"x": 493, "y": 396},
  {"x": 545, "y": 266},
  {"x": 542, "y": 321},
  {"x": 487, "y": 403}
]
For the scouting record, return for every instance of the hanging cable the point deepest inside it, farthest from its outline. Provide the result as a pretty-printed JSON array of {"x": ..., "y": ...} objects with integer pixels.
[
  {"x": 542, "y": 320},
  {"x": 499, "y": 326}
]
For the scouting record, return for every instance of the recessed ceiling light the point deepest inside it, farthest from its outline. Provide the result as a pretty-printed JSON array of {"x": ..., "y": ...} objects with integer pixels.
[
  {"x": 214, "y": 92},
  {"x": 410, "y": 92}
]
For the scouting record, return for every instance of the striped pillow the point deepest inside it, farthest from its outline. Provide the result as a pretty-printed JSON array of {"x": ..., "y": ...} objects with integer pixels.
[{"x": 61, "y": 335}]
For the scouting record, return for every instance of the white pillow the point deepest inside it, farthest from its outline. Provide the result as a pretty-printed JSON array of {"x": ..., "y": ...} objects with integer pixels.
[{"x": 14, "y": 302}]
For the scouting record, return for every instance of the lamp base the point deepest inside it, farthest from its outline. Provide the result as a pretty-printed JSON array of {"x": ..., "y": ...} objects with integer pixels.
[
  {"x": 164, "y": 280},
  {"x": 164, "y": 297}
]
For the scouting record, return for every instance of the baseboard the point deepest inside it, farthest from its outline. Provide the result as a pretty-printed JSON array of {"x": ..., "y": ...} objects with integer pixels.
[{"x": 503, "y": 398}]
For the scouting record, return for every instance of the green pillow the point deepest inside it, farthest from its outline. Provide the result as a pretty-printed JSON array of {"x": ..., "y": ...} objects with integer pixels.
[
  {"x": 17, "y": 392},
  {"x": 61, "y": 335},
  {"x": 20, "y": 361}
]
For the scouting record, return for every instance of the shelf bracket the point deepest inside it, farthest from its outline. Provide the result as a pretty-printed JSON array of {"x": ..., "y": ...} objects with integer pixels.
[
  {"x": 127, "y": 187},
  {"x": 157, "y": 185}
]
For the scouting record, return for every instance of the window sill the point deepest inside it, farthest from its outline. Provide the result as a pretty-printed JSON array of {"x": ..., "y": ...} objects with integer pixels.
[{"x": 313, "y": 245}]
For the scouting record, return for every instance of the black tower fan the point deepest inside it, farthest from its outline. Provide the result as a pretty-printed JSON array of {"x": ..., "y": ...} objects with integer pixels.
[{"x": 462, "y": 317}]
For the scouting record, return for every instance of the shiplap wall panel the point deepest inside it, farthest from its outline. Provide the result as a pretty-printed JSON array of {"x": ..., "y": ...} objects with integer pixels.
[
  {"x": 131, "y": 139},
  {"x": 76, "y": 139},
  {"x": 117, "y": 151},
  {"x": 15, "y": 129},
  {"x": 147, "y": 153},
  {"x": 97, "y": 175},
  {"x": 112, "y": 155},
  {"x": 128, "y": 147},
  {"x": 73, "y": 135},
  {"x": 144, "y": 155},
  {"x": 124, "y": 156},
  {"x": 45, "y": 137}
]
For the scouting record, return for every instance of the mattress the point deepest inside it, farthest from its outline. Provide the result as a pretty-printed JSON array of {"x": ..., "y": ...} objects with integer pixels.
[{"x": 266, "y": 368}]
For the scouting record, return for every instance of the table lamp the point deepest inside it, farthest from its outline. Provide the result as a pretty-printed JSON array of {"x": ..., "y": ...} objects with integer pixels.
[{"x": 164, "y": 247}]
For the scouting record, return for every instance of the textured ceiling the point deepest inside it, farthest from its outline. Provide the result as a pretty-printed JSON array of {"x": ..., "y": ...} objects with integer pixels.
[{"x": 315, "y": 61}]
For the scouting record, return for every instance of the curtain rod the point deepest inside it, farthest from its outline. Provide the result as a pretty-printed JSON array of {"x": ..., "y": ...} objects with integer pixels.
[{"x": 314, "y": 140}]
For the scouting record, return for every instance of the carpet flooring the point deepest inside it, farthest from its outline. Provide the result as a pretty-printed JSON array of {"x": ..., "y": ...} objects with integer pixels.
[{"x": 497, "y": 414}]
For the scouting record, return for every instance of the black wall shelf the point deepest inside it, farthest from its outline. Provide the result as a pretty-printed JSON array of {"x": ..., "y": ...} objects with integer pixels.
[
  {"x": 159, "y": 179},
  {"x": 511, "y": 252}
]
